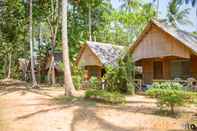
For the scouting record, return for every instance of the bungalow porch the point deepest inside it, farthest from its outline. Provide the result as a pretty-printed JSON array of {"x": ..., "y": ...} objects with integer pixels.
[
  {"x": 168, "y": 68},
  {"x": 165, "y": 53}
]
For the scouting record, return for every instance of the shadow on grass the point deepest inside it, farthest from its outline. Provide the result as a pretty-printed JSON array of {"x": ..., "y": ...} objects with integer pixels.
[
  {"x": 86, "y": 115},
  {"x": 167, "y": 113},
  {"x": 144, "y": 109},
  {"x": 60, "y": 103},
  {"x": 42, "y": 111},
  {"x": 24, "y": 90},
  {"x": 78, "y": 101}
]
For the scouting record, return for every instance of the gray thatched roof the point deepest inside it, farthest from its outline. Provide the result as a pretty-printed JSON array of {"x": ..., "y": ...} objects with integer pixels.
[
  {"x": 106, "y": 53},
  {"x": 188, "y": 39}
]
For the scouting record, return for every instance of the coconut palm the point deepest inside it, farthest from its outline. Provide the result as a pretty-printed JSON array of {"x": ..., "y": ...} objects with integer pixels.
[
  {"x": 157, "y": 7},
  {"x": 34, "y": 82},
  {"x": 177, "y": 15},
  {"x": 68, "y": 83}
]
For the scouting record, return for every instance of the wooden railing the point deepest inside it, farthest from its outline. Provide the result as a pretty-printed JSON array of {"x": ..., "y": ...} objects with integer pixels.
[
  {"x": 186, "y": 83},
  {"x": 161, "y": 81},
  {"x": 138, "y": 83}
]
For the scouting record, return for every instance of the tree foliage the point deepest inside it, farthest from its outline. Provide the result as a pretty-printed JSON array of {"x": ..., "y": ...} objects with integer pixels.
[{"x": 177, "y": 15}]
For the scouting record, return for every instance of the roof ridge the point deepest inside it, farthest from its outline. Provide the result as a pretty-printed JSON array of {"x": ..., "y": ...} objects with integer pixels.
[{"x": 105, "y": 44}]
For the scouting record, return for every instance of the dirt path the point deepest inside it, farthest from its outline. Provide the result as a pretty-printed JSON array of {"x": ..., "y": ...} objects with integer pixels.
[{"x": 23, "y": 109}]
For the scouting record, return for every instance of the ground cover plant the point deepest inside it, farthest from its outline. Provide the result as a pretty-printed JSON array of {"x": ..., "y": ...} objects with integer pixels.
[
  {"x": 170, "y": 95},
  {"x": 106, "y": 96}
]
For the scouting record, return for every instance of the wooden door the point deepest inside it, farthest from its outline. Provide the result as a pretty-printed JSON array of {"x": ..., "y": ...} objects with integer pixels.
[{"x": 158, "y": 70}]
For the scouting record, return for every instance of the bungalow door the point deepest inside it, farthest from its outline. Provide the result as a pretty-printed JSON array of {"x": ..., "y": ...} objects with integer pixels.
[{"x": 158, "y": 70}]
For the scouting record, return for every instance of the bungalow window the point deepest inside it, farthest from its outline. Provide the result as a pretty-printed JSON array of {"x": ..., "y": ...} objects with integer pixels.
[{"x": 181, "y": 69}]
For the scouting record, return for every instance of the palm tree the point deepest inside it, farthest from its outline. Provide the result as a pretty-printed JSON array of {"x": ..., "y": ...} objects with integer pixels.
[
  {"x": 34, "y": 82},
  {"x": 90, "y": 21},
  {"x": 176, "y": 15},
  {"x": 68, "y": 83},
  {"x": 193, "y": 3},
  {"x": 157, "y": 8},
  {"x": 9, "y": 65}
]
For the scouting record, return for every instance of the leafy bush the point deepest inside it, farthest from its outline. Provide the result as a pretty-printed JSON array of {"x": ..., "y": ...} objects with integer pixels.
[
  {"x": 120, "y": 78},
  {"x": 112, "y": 97},
  {"x": 170, "y": 95},
  {"x": 167, "y": 85},
  {"x": 77, "y": 80},
  {"x": 130, "y": 88},
  {"x": 94, "y": 83},
  {"x": 77, "y": 76}
]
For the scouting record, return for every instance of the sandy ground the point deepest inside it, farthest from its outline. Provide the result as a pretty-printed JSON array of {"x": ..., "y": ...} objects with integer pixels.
[{"x": 23, "y": 109}]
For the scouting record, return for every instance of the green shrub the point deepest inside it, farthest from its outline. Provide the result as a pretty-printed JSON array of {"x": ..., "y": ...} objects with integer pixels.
[
  {"x": 170, "y": 95},
  {"x": 77, "y": 80},
  {"x": 131, "y": 88},
  {"x": 77, "y": 76},
  {"x": 111, "y": 97},
  {"x": 167, "y": 85},
  {"x": 94, "y": 83},
  {"x": 120, "y": 78}
]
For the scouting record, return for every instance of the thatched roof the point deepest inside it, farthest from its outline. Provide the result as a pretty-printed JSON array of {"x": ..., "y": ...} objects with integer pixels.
[
  {"x": 105, "y": 52},
  {"x": 58, "y": 57},
  {"x": 186, "y": 38}
]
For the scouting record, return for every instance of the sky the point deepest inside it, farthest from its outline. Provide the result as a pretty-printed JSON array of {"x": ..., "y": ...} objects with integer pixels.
[{"x": 163, "y": 11}]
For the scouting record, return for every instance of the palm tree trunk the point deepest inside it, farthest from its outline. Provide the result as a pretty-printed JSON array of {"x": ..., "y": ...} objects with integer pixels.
[
  {"x": 39, "y": 50},
  {"x": 68, "y": 83},
  {"x": 53, "y": 70},
  {"x": 34, "y": 82},
  {"x": 90, "y": 23},
  {"x": 9, "y": 66},
  {"x": 53, "y": 59}
]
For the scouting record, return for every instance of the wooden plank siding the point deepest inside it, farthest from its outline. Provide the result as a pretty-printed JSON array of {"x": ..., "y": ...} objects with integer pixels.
[
  {"x": 166, "y": 69},
  {"x": 157, "y": 44},
  {"x": 194, "y": 66},
  {"x": 147, "y": 67},
  {"x": 165, "y": 52},
  {"x": 95, "y": 71},
  {"x": 88, "y": 58},
  {"x": 150, "y": 71}
]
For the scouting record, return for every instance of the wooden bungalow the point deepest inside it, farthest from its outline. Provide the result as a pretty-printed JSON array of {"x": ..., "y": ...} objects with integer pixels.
[
  {"x": 94, "y": 56},
  {"x": 165, "y": 52}
]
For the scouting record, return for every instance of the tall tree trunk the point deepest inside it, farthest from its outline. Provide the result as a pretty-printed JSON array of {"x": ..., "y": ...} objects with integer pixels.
[
  {"x": 34, "y": 82},
  {"x": 5, "y": 67},
  {"x": 39, "y": 50},
  {"x": 51, "y": 71},
  {"x": 9, "y": 66},
  {"x": 90, "y": 22},
  {"x": 68, "y": 83},
  {"x": 52, "y": 67}
]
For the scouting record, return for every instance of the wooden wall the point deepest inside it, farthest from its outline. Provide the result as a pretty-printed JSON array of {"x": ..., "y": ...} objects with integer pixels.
[
  {"x": 88, "y": 58},
  {"x": 147, "y": 66},
  {"x": 93, "y": 71},
  {"x": 148, "y": 69},
  {"x": 166, "y": 69},
  {"x": 194, "y": 66},
  {"x": 156, "y": 44}
]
